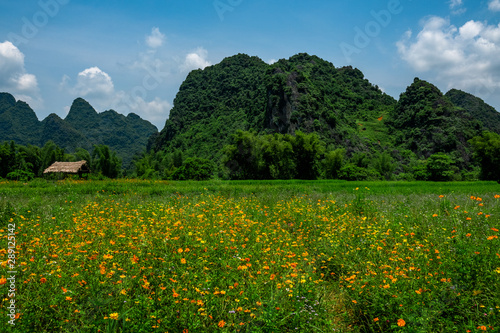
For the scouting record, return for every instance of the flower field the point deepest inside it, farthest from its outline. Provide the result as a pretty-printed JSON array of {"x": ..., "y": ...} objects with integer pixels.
[{"x": 145, "y": 257}]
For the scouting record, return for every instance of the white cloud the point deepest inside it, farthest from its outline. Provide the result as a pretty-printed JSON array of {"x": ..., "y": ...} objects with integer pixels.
[
  {"x": 494, "y": 5},
  {"x": 456, "y": 7},
  {"x": 94, "y": 82},
  {"x": 272, "y": 61},
  {"x": 156, "y": 38},
  {"x": 464, "y": 58},
  {"x": 14, "y": 78},
  {"x": 196, "y": 60},
  {"x": 156, "y": 111}
]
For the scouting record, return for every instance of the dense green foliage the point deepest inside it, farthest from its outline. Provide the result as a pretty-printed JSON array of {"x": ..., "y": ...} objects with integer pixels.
[
  {"x": 212, "y": 104},
  {"x": 194, "y": 168},
  {"x": 18, "y": 162},
  {"x": 309, "y": 94},
  {"x": 426, "y": 122},
  {"x": 487, "y": 148},
  {"x": 83, "y": 127},
  {"x": 477, "y": 108},
  {"x": 298, "y": 118},
  {"x": 245, "y": 115}
]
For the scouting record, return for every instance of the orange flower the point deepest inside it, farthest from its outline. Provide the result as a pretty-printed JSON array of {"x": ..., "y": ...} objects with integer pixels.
[
  {"x": 69, "y": 298},
  {"x": 482, "y": 328},
  {"x": 273, "y": 276},
  {"x": 221, "y": 323},
  {"x": 135, "y": 259},
  {"x": 183, "y": 261},
  {"x": 354, "y": 301},
  {"x": 375, "y": 319},
  {"x": 180, "y": 250},
  {"x": 43, "y": 280},
  {"x": 401, "y": 323},
  {"x": 3, "y": 281}
]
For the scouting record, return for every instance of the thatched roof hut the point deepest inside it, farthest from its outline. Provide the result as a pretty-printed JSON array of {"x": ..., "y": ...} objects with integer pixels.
[{"x": 75, "y": 168}]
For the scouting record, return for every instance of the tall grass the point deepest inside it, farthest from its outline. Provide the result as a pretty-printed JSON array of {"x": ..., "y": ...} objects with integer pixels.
[{"x": 138, "y": 256}]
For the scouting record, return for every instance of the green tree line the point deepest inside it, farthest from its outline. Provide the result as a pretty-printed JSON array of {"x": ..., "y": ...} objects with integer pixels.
[
  {"x": 19, "y": 162},
  {"x": 263, "y": 156},
  {"x": 305, "y": 156}
]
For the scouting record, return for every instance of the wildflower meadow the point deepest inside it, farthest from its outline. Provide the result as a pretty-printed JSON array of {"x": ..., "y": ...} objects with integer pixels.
[{"x": 139, "y": 256}]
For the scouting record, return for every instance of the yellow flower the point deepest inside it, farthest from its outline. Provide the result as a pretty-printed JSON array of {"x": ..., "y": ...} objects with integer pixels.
[{"x": 113, "y": 316}]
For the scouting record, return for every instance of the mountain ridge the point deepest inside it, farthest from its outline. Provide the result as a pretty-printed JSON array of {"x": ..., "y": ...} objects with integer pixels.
[
  {"x": 308, "y": 94},
  {"x": 82, "y": 127}
]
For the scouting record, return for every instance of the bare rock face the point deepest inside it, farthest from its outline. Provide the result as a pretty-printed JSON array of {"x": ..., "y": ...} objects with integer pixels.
[{"x": 281, "y": 103}]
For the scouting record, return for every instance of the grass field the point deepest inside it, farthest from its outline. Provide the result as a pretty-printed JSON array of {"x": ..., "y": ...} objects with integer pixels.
[{"x": 277, "y": 256}]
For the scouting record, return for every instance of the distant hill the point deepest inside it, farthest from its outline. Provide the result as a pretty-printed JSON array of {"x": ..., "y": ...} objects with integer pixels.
[
  {"x": 306, "y": 93},
  {"x": 303, "y": 93},
  {"x": 477, "y": 108},
  {"x": 426, "y": 122},
  {"x": 213, "y": 103},
  {"x": 82, "y": 128}
]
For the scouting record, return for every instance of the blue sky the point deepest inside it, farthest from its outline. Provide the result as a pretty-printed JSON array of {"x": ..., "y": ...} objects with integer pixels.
[{"x": 132, "y": 56}]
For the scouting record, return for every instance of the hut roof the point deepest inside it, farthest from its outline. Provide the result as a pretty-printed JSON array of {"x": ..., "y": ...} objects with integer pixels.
[{"x": 68, "y": 167}]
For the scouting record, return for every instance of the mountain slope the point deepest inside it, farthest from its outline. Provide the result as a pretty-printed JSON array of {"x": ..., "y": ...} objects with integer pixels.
[
  {"x": 477, "y": 108},
  {"x": 213, "y": 103},
  {"x": 83, "y": 127},
  {"x": 302, "y": 93},
  {"x": 309, "y": 94},
  {"x": 426, "y": 122},
  {"x": 18, "y": 121}
]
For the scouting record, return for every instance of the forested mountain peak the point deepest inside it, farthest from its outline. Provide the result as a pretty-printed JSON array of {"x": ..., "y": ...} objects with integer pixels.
[
  {"x": 213, "y": 103},
  {"x": 6, "y": 101},
  {"x": 477, "y": 108},
  {"x": 303, "y": 93},
  {"x": 426, "y": 122},
  {"x": 82, "y": 114},
  {"x": 17, "y": 120},
  {"x": 83, "y": 127}
]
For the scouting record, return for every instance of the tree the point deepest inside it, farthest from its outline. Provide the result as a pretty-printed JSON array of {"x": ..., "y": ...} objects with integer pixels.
[
  {"x": 277, "y": 155},
  {"x": 308, "y": 149},
  {"x": 333, "y": 162},
  {"x": 487, "y": 153},
  {"x": 194, "y": 169},
  {"x": 105, "y": 161},
  {"x": 439, "y": 167},
  {"x": 385, "y": 165},
  {"x": 243, "y": 158}
]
